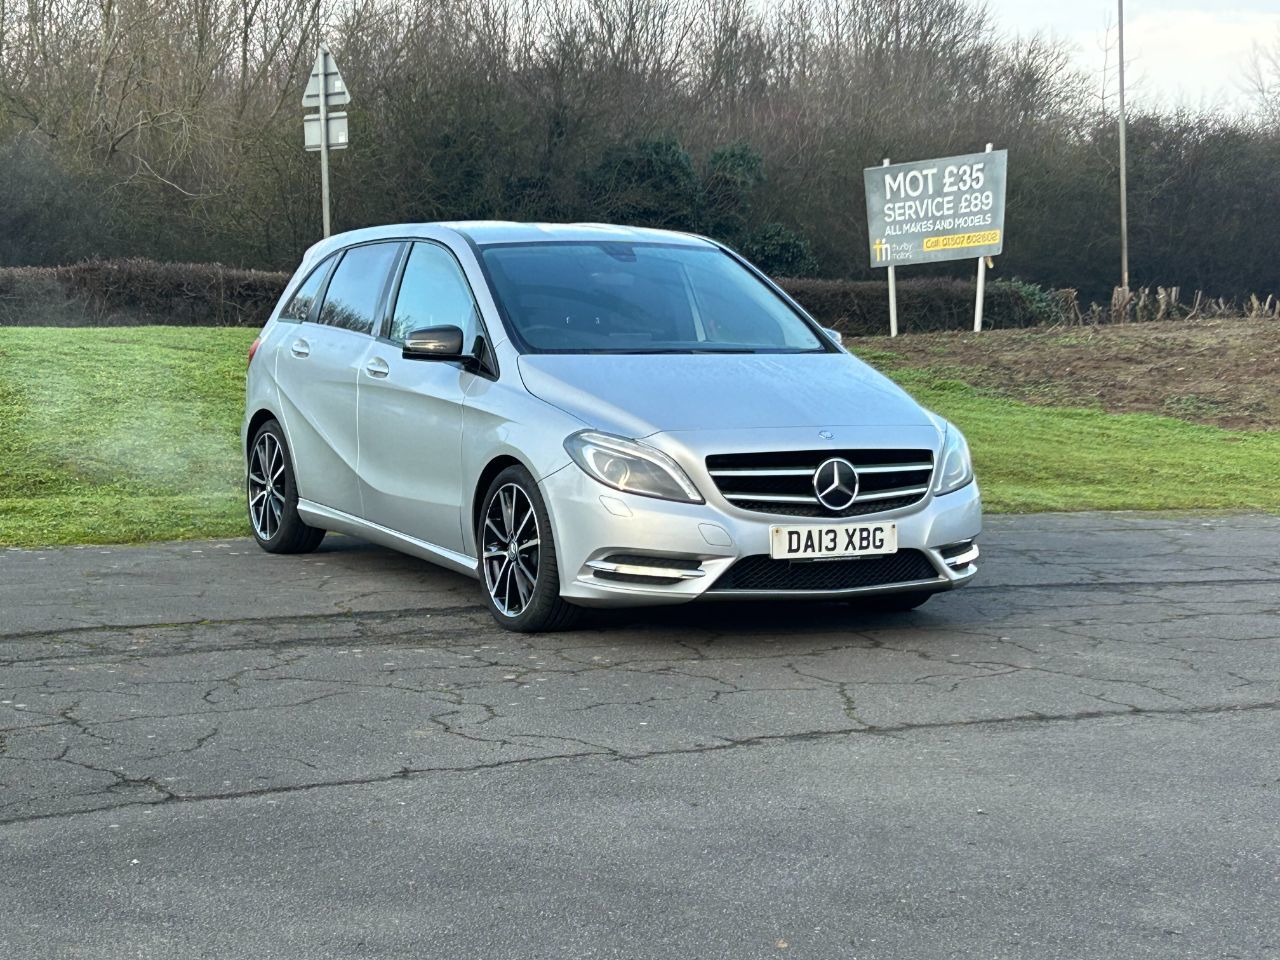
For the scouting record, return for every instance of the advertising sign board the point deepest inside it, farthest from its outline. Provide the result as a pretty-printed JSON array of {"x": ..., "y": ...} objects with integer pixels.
[{"x": 950, "y": 208}]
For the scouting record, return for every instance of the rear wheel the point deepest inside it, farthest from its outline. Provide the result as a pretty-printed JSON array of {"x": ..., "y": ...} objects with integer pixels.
[
  {"x": 273, "y": 496},
  {"x": 518, "y": 556}
]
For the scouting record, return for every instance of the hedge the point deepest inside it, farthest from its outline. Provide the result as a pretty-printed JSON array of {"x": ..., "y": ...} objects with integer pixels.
[
  {"x": 113, "y": 293},
  {"x": 861, "y": 308},
  {"x": 142, "y": 292}
]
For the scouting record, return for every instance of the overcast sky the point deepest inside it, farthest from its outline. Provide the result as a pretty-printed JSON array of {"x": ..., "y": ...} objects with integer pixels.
[{"x": 1178, "y": 51}]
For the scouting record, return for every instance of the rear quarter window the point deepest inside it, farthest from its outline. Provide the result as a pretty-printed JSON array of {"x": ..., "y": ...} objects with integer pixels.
[{"x": 299, "y": 306}]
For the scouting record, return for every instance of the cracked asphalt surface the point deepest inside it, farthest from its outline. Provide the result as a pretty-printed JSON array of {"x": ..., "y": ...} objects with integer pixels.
[{"x": 206, "y": 751}]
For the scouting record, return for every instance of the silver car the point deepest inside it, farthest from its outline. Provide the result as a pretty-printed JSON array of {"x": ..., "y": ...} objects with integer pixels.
[{"x": 592, "y": 415}]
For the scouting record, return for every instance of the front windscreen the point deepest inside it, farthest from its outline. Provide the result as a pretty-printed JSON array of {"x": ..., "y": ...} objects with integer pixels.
[{"x": 618, "y": 297}]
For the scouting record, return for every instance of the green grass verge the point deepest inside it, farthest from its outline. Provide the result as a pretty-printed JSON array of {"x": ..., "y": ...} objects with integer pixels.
[
  {"x": 1032, "y": 458},
  {"x": 131, "y": 434},
  {"x": 118, "y": 435}
]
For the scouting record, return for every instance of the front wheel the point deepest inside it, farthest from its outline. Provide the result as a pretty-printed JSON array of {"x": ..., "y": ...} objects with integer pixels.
[{"x": 518, "y": 556}]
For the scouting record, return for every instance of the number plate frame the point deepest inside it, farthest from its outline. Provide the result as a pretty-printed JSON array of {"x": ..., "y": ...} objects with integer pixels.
[{"x": 832, "y": 541}]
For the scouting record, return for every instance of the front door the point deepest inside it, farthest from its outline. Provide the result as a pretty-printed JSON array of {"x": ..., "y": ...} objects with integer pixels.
[{"x": 410, "y": 411}]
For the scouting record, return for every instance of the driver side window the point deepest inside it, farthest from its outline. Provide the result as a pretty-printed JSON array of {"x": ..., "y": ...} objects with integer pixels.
[{"x": 433, "y": 292}]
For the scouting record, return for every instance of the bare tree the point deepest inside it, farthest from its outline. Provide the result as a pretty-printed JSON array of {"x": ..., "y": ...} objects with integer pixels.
[{"x": 1262, "y": 80}]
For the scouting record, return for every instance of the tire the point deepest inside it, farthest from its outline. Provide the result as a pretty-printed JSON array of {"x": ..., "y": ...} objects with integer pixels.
[
  {"x": 271, "y": 494},
  {"x": 895, "y": 602},
  {"x": 519, "y": 572}
]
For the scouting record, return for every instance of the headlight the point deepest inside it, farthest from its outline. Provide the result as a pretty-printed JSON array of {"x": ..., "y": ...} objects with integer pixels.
[
  {"x": 631, "y": 466},
  {"x": 957, "y": 467}
]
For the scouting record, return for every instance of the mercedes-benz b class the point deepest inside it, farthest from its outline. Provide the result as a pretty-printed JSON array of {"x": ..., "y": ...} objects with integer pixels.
[{"x": 591, "y": 415}]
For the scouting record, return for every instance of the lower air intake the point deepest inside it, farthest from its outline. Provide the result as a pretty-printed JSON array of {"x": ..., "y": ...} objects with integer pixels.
[{"x": 765, "y": 573}]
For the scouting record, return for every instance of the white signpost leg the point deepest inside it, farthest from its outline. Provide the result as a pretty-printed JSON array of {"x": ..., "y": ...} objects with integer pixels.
[
  {"x": 893, "y": 292},
  {"x": 982, "y": 287}
]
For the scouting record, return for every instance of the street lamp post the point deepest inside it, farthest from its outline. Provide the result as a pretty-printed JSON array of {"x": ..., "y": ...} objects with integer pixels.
[{"x": 1124, "y": 199}]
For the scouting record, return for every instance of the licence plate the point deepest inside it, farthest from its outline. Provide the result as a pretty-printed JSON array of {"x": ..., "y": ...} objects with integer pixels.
[{"x": 836, "y": 540}]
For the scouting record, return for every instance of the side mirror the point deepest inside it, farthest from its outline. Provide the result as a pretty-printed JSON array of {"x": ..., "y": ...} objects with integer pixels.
[
  {"x": 434, "y": 343},
  {"x": 834, "y": 335}
]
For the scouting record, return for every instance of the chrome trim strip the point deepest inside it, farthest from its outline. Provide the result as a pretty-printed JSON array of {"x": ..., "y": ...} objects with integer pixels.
[
  {"x": 637, "y": 570},
  {"x": 963, "y": 559}
]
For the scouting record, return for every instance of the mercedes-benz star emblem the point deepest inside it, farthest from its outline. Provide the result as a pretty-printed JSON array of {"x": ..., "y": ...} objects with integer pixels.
[{"x": 836, "y": 484}]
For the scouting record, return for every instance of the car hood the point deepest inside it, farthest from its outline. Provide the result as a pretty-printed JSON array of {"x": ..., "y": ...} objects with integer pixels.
[{"x": 638, "y": 395}]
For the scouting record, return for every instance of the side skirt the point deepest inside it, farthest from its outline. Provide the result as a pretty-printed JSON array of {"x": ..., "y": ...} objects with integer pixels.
[{"x": 329, "y": 519}]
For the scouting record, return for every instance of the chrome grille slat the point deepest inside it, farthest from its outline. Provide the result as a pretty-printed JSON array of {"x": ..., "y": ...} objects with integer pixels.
[
  {"x": 808, "y": 471},
  {"x": 763, "y": 472},
  {"x": 801, "y": 498},
  {"x": 889, "y": 494},
  {"x": 895, "y": 467},
  {"x": 771, "y": 497},
  {"x": 781, "y": 482}
]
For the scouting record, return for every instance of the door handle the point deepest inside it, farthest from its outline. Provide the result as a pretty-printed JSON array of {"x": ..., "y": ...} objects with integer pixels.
[
  {"x": 300, "y": 348},
  {"x": 377, "y": 367}
]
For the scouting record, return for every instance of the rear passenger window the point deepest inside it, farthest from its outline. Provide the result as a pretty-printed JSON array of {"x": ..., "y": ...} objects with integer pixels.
[
  {"x": 434, "y": 292},
  {"x": 356, "y": 287},
  {"x": 299, "y": 306}
]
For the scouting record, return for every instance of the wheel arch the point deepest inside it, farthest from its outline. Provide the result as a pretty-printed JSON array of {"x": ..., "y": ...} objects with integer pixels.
[
  {"x": 255, "y": 424},
  {"x": 491, "y": 469}
]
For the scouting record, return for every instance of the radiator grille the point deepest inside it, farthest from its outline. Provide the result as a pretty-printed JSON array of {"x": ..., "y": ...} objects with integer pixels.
[{"x": 782, "y": 483}]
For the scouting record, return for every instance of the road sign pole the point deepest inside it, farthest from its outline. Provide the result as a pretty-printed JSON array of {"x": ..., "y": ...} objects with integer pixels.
[
  {"x": 982, "y": 287},
  {"x": 893, "y": 292},
  {"x": 321, "y": 57},
  {"x": 327, "y": 91}
]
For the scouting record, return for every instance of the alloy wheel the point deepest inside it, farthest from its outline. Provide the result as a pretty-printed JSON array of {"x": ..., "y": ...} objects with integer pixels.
[
  {"x": 266, "y": 486},
  {"x": 510, "y": 553}
]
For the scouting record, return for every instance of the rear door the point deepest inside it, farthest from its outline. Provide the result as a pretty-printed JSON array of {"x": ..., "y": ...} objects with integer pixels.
[
  {"x": 318, "y": 367},
  {"x": 410, "y": 417}
]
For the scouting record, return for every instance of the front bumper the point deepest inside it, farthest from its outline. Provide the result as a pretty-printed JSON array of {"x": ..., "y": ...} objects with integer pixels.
[{"x": 695, "y": 544}]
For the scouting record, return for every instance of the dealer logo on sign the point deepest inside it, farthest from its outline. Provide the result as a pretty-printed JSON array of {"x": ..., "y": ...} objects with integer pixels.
[{"x": 882, "y": 251}]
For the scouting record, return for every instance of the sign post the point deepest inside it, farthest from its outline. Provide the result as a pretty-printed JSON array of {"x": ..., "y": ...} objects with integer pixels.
[
  {"x": 326, "y": 130},
  {"x": 926, "y": 211},
  {"x": 982, "y": 286},
  {"x": 893, "y": 291}
]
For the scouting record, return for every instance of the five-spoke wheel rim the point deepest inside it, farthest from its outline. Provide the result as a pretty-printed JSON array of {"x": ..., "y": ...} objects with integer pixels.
[
  {"x": 266, "y": 486},
  {"x": 509, "y": 543}
]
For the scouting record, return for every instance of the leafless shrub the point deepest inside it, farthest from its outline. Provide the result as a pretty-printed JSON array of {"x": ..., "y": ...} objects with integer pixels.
[{"x": 181, "y": 117}]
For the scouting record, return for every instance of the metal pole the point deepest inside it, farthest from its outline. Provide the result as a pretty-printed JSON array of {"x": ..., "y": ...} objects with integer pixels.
[
  {"x": 1124, "y": 199},
  {"x": 982, "y": 287},
  {"x": 893, "y": 292},
  {"x": 321, "y": 65}
]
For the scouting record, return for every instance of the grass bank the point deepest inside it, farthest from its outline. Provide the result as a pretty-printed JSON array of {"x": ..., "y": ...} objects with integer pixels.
[
  {"x": 120, "y": 435},
  {"x": 131, "y": 434}
]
